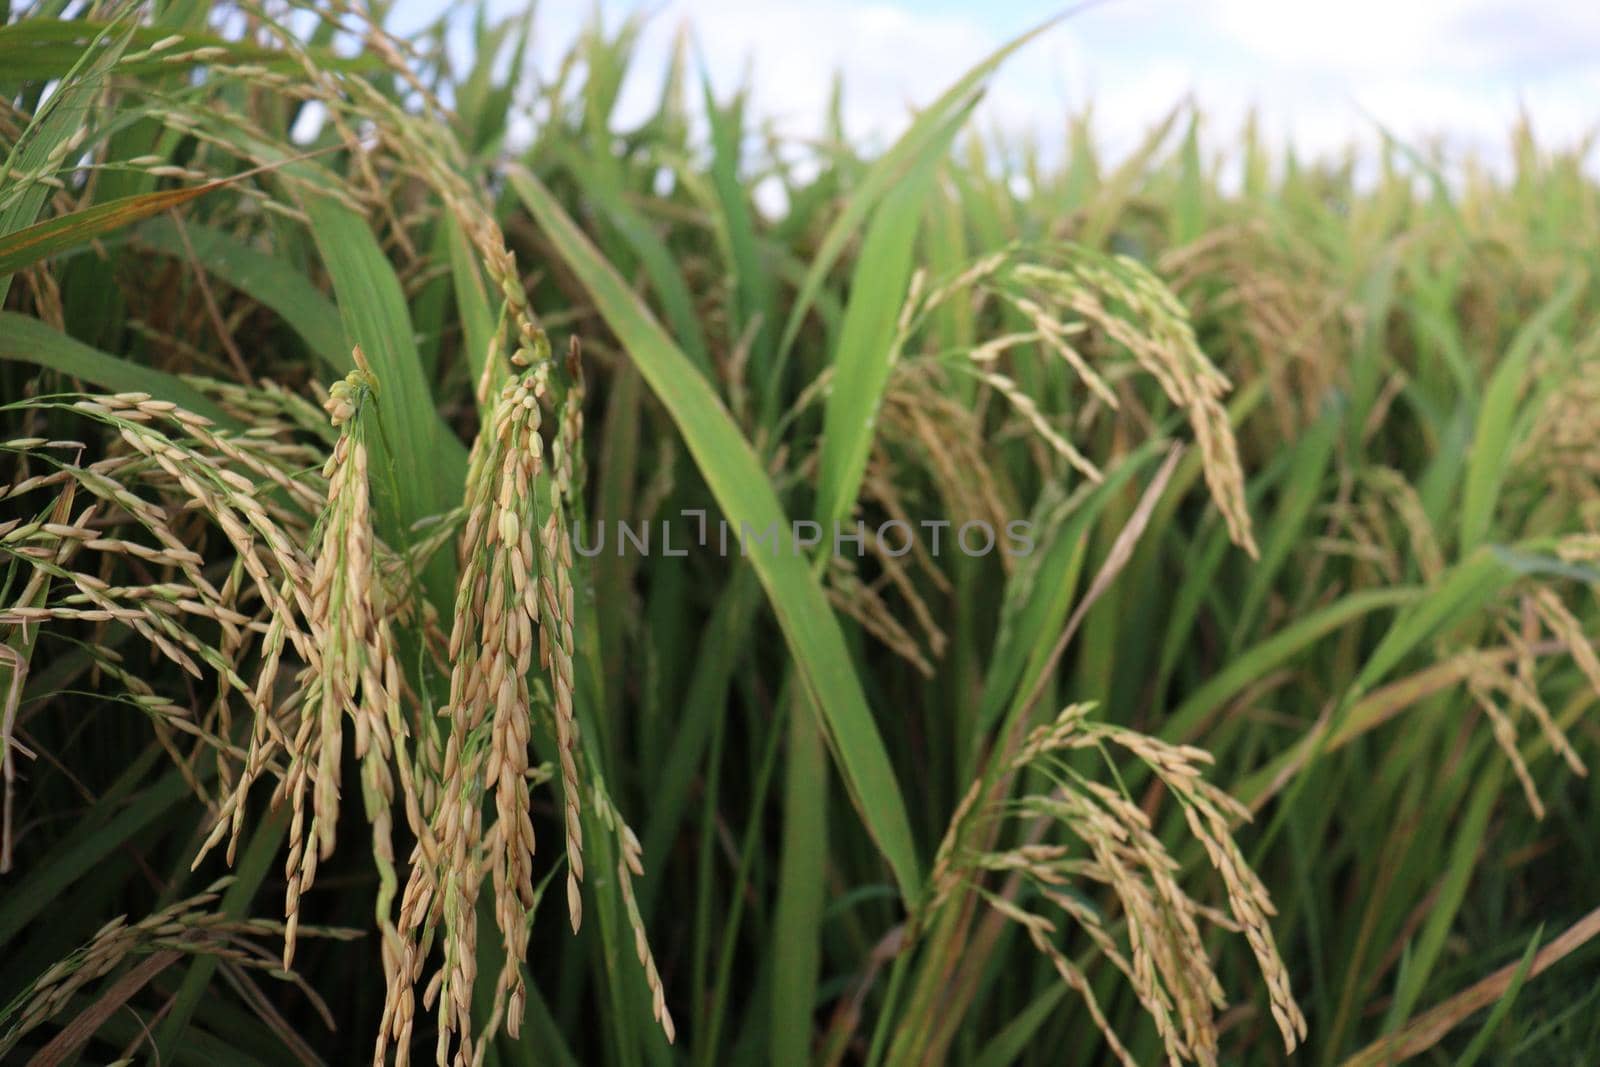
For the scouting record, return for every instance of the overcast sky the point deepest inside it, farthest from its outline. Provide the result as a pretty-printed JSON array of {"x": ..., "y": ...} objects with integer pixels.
[{"x": 1320, "y": 73}]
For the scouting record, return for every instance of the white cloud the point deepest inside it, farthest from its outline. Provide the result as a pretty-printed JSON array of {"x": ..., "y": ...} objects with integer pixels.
[
  {"x": 1458, "y": 68},
  {"x": 892, "y": 58},
  {"x": 1320, "y": 74},
  {"x": 1354, "y": 36}
]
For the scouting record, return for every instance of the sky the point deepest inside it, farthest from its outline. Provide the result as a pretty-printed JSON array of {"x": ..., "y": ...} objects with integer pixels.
[{"x": 1321, "y": 75}]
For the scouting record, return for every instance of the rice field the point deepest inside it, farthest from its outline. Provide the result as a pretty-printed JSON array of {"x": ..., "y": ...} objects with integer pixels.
[{"x": 479, "y": 585}]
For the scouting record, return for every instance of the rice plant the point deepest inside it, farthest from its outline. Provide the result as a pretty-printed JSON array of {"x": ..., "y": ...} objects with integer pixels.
[{"x": 978, "y": 611}]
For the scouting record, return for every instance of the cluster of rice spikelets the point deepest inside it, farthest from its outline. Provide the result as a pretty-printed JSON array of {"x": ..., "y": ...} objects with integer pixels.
[
  {"x": 1401, "y": 497},
  {"x": 490, "y": 715},
  {"x": 1163, "y": 956},
  {"x": 153, "y": 502},
  {"x": 191, "y": 927},
  {"x": 505, "y": 541},
  {"x": 1276, "y": 308},
  {"x": 361, "y": 650},
  {"x": 351, "y": 660},
  {"x": 1506, "y": 689},
  {"x": 630, "y": 865},
  {"x": 1065, "y": 293},
  {"x": 1122, "y": 297},
  {"x": 304, "y": 640},
  {"x": 1562, "y": 447},
  {"x": 327, "y": 611}
]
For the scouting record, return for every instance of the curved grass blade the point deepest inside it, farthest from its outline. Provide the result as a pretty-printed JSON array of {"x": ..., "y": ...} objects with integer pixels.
[
  {"x": 28, "y": 340},
  {"x": 44, "y": 239},
  {"x": 39, "y": 49},
  {"x": 47, "y": 140}
]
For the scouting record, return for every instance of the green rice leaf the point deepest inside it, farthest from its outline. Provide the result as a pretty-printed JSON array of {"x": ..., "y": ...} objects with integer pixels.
[{"x": 30, "y": 341}]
